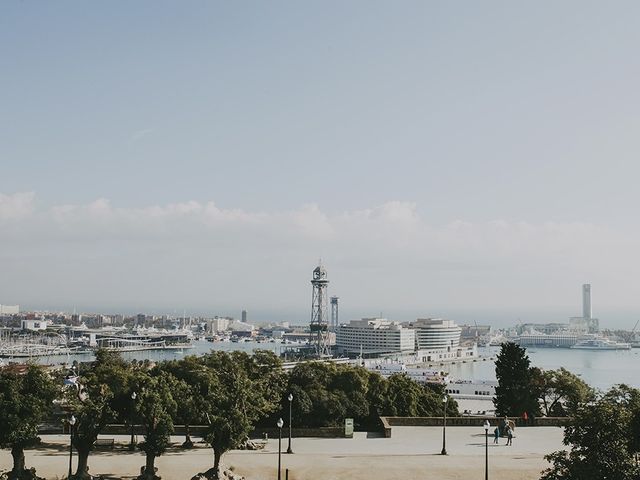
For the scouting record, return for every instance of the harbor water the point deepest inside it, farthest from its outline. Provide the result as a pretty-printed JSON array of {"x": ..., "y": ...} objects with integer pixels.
[{"x": 599, "y": 368}]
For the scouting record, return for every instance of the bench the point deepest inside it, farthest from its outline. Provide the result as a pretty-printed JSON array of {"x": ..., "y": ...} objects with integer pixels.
[{"x": 105, "y": 442}]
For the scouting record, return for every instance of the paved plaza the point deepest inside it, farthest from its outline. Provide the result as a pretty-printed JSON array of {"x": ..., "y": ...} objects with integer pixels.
[{"x": 411, "y": 453}]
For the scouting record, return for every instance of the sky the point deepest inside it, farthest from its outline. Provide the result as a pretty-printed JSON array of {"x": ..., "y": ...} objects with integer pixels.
[{"x": 474, "y": 160}]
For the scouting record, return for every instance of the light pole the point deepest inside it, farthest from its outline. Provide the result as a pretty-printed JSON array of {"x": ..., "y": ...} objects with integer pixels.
[
  {"x": 290, "y": 398},
  {"x": 72, "y": 422},
  {"x": 280, "y": 424},
  {"x": 486, "y": 449},
  {"x": 132, "y": 443},
  {"x": 444, "y": 426}
]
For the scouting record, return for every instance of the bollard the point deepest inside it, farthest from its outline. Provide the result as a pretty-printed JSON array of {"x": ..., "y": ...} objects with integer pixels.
[{"x": 286, "y": 474}]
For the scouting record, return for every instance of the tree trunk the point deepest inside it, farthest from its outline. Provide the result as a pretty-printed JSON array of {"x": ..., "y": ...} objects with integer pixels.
[
  {"x": 187, "y": 437},
  {"x": 18, "y": 462},
  {"x": 217, "y": 455},
  {"x": 149, "y": 468},
  {"x": 82, "y": 472}
]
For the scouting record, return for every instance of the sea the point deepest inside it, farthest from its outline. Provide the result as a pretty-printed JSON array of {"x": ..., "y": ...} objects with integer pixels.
[{"x": 599, "y": 368}]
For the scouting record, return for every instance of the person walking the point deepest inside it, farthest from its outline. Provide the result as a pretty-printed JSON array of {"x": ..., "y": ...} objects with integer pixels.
[
  {"x": 509, "y": 435},
  {"x": 496, "y": 435}
]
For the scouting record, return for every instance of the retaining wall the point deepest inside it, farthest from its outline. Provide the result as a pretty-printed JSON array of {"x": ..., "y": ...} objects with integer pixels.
[{"x": 389, "y": 422}]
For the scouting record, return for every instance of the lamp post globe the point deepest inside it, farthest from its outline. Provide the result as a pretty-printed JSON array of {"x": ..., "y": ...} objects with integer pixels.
[
  {"x": 486, "y": 449},
  {"x": 445, "y": 400},
  {"x": 290, "y": 398},
  {"x": 72, "y": 422},
  {"x": 280, "y": 424}
]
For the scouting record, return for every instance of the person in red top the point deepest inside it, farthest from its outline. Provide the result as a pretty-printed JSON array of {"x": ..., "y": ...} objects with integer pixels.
[{"x": 525, "y": 417}]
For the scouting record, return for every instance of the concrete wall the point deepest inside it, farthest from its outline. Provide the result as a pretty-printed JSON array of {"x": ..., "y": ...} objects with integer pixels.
[{"x": 388, "y": 422}]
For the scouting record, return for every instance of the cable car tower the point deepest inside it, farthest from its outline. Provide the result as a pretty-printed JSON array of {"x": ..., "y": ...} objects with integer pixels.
[{"x": 319, "y": 327}]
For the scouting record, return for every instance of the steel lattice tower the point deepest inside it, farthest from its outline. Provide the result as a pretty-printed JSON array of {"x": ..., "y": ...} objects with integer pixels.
[
  {"x": 334, "y": 313},
  {"x": 319, "y": 330}
]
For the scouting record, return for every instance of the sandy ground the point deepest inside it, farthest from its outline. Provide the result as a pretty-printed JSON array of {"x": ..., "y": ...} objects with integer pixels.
[{"x": 411, "y": 453}]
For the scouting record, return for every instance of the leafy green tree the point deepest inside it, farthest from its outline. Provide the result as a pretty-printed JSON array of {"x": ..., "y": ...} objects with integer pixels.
[
  {"x": 516, "y": 392},
  {"x": 408, "y": 398},
  {"x": 325, "y": 394},
  {"x": 156, "y": 407},
  {"x": 560, "y": 392},
  {"x": 376, "y": 398},
  {"x": 25, "y": 400},
  {"x": 187, "y": 371},
  {"x": 94, "y": 402},
  {"x": 234, "y": 395},
  {"x": 601, "y": 441}
]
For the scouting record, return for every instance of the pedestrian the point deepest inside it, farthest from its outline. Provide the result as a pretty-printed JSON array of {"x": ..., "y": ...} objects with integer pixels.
[
  {"x": 509, "y": 436},
  {"x": 525, "y": 417},
  {"x": 496, "y": 435}
]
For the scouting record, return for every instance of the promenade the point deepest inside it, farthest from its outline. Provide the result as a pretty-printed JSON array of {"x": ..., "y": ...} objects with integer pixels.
[{"x": 411, "y": 453}]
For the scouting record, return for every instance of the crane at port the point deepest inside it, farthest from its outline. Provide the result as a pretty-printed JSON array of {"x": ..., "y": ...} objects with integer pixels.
[{"x": 634, "y": 343}]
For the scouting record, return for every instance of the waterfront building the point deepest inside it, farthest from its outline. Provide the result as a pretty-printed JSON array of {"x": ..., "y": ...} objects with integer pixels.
[
  {"x": 9, "y": 309},
  {"x": 435, "y": 333},
  {"x": 561, "y": 339},
  {"x": 374, "y": 336},
  {"x": 474, "y": 332},
  {"x": 547, "y": 328},
  {"x": 586, "y": 323},
  {"x": 239, "y": 327},
  {"x": 33, "y": 325}
]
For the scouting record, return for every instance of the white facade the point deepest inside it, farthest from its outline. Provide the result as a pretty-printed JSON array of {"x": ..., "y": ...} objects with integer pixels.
[
  {"x": 374, "y": 335},
  {"x": 539, "y": 339},
  {"x": 238, "y": 326},
  {"x": 33, "y": 324},
  {"x": 218, "y": 324},
  {"x": 436, "y": 334},
  {"x": 9, "y": 309}
]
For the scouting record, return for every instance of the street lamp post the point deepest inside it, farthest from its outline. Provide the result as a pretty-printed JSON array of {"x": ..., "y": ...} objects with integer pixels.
[
  {"x": 280, "y": 424},
  {"x": 290, "y": 398},
  {"x": 486, "y": 449},
  {"x": 132, "y": 443},
  {"x": 72, "y": 422},
  {"x": 445, "y": 400}
]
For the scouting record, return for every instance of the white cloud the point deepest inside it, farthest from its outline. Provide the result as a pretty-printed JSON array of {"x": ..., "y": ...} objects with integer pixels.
[
  {"x": 195, "y": 252},
  {"x": 17, "y": 205}
]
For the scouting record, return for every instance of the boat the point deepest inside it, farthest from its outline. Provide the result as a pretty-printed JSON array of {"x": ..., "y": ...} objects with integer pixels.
[
  {"x": 472, "y": 389},
  {"x": 600, "y": 343},
  {"x": 418, "y": 374}
]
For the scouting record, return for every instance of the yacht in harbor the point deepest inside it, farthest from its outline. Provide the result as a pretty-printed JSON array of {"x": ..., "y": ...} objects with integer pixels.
[{"x": 594, "y": 342}]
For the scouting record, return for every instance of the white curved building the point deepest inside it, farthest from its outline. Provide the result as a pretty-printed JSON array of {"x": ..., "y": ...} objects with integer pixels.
[
  {"x": 374, "y": 336},
  {"x": 436, "y": 334}
]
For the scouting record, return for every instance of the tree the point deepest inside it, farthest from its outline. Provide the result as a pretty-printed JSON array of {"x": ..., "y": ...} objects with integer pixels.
[
  {"x": 560, "y": 392},
  {"x": 516, "y": 393},
  {"x": 601, "y": 440},
  {"x": 187, "y": 372},
  {"x": 234, "y": 393},
  {"x": 408, "y": 398},
  {"x": 25, "y": 400},
  {"x": 94, "y": 402},
  {"x": 156, "y": 407}
]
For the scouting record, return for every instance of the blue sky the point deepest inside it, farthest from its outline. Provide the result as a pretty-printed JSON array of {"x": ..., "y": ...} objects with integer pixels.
[{"x": 514, "y": 122}]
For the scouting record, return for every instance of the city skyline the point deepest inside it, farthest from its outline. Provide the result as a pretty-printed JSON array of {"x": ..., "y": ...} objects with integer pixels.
[{"x": 440, "y": 159}]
